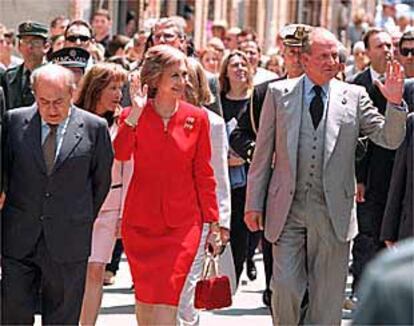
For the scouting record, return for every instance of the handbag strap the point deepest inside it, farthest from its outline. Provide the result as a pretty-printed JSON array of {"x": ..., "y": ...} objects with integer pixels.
[
  {"x": 251, "y": 113},
  {"x": 210, "y": 266}
]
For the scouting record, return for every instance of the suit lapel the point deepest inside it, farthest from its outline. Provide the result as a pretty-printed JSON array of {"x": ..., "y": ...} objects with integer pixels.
[
  {"x": 292, "y": 111},
  {"x": 336, "y": 109},
  {"x": 71, "y": 138},
  {"x": 33, "y": 132}
]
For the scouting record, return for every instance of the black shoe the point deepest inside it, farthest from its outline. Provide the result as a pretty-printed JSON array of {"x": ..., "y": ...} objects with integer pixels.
[
  {"x": 267, "y": 297},
  {"x": 251, "y": 270}
]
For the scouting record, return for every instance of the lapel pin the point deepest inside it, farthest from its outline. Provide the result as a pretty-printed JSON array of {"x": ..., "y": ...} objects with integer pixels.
[
  {"x": 344, "y": 101},
  {"x": 286, "y": 90},
  {"x": 189, "y": 123}
]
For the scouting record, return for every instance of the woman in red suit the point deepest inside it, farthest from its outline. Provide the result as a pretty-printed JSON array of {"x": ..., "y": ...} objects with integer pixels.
[{"x": 172, "y": 191}]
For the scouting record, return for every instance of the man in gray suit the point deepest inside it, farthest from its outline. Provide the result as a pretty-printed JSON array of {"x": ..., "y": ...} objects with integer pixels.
[
  {"x": 57, "y": 168},
  {"x": 309, "y": 129}
]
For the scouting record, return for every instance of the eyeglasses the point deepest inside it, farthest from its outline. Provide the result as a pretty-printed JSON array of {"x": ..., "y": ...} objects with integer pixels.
[
  {"x": 37, "y": 43},
  {"x": 81, "y": 38},
  {"x": 167, "y": 37},
  {"x": 6, "y": 41},
  {"x": 406, "y": 51}
]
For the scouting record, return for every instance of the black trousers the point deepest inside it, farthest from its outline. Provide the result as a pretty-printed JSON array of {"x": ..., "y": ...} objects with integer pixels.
[
  {"x": 267, "y": 260},
  {"x": 254, "y": 239},
  {"x": 366, "y": 243},
  {"x": 62, "y": 286},
  {"x": 113, "y": 266},
  {"x": 238, "y": 232}
]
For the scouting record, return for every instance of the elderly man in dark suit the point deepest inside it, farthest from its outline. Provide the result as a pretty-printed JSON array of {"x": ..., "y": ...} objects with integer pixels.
[
  {"x": 57, "y": 163},
  {"x": 33, "y": 46}
]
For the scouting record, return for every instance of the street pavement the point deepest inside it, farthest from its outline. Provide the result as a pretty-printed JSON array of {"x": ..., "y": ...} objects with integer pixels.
[{"x": 247, "y": 309}]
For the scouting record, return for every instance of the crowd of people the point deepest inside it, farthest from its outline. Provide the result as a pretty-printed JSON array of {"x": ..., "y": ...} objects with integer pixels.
[{"x": 147, "y": 145}]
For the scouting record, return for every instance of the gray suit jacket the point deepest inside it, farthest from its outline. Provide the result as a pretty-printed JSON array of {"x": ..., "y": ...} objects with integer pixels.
[
  {"x": 350, "y": 111},
  {"x": 64, "y": 204}
]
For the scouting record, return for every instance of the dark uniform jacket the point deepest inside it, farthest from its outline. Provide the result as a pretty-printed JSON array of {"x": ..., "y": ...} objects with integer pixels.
[
  {"x": 243, "y": 138},
  {"x": 16, "y": 94}
]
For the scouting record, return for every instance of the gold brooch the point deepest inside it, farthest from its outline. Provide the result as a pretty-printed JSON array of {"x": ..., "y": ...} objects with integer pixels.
[{"x": 189, "y": 123}]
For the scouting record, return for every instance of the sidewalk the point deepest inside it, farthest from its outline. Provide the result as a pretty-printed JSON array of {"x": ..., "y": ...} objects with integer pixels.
[{"x": 247, "y": 309}]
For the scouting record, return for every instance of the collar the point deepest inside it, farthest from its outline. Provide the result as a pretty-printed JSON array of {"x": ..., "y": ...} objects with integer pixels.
[
  {"x": 374, "y": 74},
  {"x": 308, "y": 87}
]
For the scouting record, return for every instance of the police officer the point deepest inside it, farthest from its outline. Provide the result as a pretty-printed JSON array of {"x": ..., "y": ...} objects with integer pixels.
[
  {"x": 33, "y": 46},
  {"x": 74, "y": 58}
]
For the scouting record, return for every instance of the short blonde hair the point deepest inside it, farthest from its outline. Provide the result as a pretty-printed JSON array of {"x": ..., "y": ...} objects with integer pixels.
[
  {"x": 197, "y": 91},
  {"x": 156, "y": 60},
  {"x": 224, "y": 79}
]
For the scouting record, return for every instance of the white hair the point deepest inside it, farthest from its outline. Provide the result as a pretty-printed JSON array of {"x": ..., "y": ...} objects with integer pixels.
[{"x": 52, "y": 71}]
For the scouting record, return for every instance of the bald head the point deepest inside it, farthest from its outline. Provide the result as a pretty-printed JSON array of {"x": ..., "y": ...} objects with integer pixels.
[
  {"x": 53, "y": 73},
  {"x": 53, "y": 87}
]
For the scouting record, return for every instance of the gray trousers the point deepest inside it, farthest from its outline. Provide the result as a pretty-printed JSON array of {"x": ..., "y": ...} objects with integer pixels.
[{"x": 308, "y": 255}]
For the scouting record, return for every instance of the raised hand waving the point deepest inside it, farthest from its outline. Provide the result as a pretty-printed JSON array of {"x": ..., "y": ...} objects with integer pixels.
[{"x": 393, "y": 87}]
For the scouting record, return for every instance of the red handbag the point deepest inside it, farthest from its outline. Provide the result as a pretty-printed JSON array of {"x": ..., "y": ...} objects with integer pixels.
[{"x": 213, "y": 290}]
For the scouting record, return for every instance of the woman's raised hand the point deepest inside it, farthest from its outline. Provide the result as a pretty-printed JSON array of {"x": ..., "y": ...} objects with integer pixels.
[{"x": 139, "y": 97}]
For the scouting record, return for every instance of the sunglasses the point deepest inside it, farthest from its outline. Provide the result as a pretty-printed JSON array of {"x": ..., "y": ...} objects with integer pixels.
[
  {"x": 406, "y": 51},
  {"x": 34, "y": 43},
  {"x": 81, "y": 38}
]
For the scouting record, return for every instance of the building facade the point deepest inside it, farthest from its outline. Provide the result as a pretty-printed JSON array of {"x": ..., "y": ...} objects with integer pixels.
[{"x": 266, "y": 17}]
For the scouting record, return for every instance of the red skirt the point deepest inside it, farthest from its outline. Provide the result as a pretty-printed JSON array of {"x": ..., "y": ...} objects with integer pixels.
[{"x": 160, "y": 260}]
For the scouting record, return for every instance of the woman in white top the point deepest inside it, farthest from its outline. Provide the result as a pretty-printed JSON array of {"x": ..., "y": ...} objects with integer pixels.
[{"x": 101, "y": 94}]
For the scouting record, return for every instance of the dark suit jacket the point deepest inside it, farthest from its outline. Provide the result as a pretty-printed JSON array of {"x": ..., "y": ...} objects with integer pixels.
[
  {"x": 387, "y": 289},
  {"x": 16, "y": 95},
  {"x": 64, "y": 204},
  {"x": 2, "y": 110},
  {"x": 375, "y": 168},
  {"x": 409, "y": 93},
  {"x": 243, "y": 138},
  {"x": 398, "y": 216}
]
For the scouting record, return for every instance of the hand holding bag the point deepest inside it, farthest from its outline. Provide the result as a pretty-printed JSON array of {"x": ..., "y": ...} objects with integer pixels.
[{"x": 212, "y": 291}]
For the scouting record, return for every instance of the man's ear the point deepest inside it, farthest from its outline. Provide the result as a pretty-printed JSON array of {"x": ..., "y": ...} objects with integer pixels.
[
  {"x": 304, "y": 59},
  {"x": 46, "y": 48}
]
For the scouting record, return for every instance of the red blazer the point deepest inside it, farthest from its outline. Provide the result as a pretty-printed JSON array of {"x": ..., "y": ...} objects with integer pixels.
[{"x": 173, "y": 182}]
